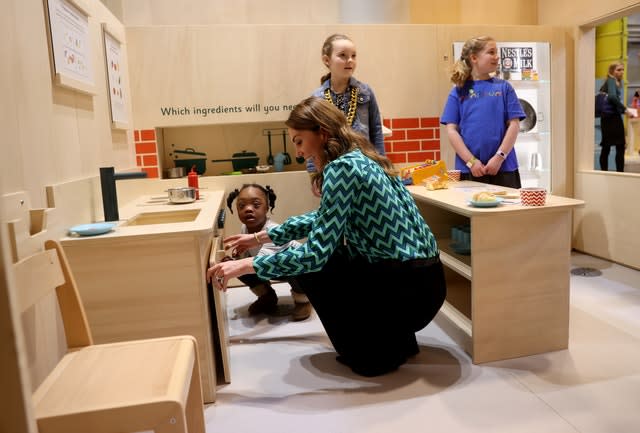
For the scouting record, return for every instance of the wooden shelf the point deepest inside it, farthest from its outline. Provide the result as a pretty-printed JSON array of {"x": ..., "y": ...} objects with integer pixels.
[
  {"x": 510, "y": 297},
  {"x": 456, "y": 262}
]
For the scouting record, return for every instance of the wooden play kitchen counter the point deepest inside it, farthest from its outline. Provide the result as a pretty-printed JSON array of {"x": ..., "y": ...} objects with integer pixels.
[
  {"x": 508, "y": 295},
  {"x": 146, "y": 278}
]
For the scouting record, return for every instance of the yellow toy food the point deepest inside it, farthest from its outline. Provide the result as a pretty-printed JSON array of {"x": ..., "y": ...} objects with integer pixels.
[
  {"x": 484, "y": 196},
  {"x": 435, "y": 182},
  {"x": 419, "y": 173}
]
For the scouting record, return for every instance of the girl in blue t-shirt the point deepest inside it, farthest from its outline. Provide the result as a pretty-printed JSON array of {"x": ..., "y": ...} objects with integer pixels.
[{"x": 482, "y": 116}]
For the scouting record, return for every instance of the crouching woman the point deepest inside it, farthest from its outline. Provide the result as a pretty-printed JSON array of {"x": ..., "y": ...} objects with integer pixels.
[{"x": 370, "y": 266}]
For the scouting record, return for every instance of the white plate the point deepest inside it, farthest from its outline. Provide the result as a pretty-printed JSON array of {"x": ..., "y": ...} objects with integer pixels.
[
  {"x": 495, "y": 203},
  {"x": 92, "y": 229}
]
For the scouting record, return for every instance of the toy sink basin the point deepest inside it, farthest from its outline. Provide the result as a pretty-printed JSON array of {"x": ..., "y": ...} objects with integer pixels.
[{"x": 176, "y": 216}]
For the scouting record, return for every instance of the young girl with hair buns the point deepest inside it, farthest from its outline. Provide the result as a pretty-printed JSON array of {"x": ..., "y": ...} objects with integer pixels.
[
  {"x": 253, "y": 203},
  {"x": 482, "y": 116}
]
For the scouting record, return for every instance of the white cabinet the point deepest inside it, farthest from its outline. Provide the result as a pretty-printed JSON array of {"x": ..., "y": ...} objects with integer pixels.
[{"x": 533, "y": 87}]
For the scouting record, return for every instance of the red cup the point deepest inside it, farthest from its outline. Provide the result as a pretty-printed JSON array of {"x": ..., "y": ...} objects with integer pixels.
[{"x": 533, "y": 196}]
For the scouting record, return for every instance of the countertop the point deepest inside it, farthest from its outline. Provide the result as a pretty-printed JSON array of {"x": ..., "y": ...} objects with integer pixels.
[
  {"x": 208, "y": 206},
  {"x": 456, "y": 198}
]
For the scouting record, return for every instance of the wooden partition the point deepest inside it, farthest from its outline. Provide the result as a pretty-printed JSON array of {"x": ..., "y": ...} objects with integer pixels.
[
  {"x": 265, "y": 81},
  {"x": 52, "y": 134},
  {"x": 607, "y": 226}
]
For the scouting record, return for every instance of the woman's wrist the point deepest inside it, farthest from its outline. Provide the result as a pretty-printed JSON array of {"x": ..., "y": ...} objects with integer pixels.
[{"x": 257, "y": 238}]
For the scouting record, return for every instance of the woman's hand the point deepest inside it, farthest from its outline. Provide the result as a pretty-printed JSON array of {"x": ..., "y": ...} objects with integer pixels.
[
  {"x": 220, "y": 273},
  {"x": 236, "y": 245}
]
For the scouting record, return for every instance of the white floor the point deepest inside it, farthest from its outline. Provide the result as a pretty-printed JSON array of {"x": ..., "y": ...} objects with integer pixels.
[{"x": 284, "y": 377}]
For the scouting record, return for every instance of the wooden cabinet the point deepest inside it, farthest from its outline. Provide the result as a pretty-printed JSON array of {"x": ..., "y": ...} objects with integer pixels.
[
  {"x": 148, "y": 280},
  {"x": 510, "y": 296},
  {"x": 218, "y": 302},
  {"x": 633, "y": 137}
]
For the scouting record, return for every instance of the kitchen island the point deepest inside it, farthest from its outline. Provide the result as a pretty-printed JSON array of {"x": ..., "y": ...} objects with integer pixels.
[
  {"x": 146, "y": 278},
  {"x": 508, "y": 295}
]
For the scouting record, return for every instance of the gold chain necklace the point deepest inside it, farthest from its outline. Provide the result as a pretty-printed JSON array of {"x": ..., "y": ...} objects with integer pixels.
[{"x": 353, "y": 102}]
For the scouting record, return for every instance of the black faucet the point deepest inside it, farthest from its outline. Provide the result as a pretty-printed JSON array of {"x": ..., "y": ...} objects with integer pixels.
[{"x": 108, "y": 179}]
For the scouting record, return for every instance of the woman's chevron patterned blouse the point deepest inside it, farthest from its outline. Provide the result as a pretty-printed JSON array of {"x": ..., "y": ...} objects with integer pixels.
[{"x": 362, "y": 205}]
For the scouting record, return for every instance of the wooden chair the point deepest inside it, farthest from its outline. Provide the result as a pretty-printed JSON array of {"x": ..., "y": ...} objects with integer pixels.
[{"x": 143, "y": 385}]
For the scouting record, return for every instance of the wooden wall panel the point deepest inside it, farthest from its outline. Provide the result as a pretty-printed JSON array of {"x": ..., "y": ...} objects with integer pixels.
[
  {"x": 206, "y": 12},
  {"x": 270, "y": 66},
  {"x": 498, "y": 12},
  {"x": 10, "y": 86},
  {"x": 572, "y": 13},
  {"x": 607, "y": 226},
  {"x": 54, "y": 134},
  {"x": 407, "y": 66}
]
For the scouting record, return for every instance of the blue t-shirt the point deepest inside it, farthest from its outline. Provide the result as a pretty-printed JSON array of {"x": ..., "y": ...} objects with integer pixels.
[{"x": 482, "y": 110}]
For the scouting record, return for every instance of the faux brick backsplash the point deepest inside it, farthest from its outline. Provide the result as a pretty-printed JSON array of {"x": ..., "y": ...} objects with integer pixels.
[
  {"x": 413, "y": 139},
  {"x": 147, "y": 151}
]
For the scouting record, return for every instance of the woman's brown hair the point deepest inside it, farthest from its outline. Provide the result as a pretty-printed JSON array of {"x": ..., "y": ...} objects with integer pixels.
[{"x": 316, "y": 114}]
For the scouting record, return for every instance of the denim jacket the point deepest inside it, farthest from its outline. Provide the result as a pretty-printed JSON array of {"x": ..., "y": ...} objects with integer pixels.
[{"x": 367, "y": 120}]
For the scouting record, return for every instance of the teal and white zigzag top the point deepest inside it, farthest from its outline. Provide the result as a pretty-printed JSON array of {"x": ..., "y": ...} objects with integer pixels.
[{"x": 361, "y": 204}]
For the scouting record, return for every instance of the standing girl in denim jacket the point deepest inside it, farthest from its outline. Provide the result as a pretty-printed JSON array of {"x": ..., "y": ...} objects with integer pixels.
[{"x": 354, "y": 98}]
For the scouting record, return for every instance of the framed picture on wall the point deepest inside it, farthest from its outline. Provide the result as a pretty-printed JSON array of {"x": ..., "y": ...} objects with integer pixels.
[
  {"x": 115, "y": 79},
  {"x": 70, "y": 45}
]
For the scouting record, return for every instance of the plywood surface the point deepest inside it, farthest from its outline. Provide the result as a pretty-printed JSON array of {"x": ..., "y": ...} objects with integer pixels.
[
  {"x": 608, "y": 225},
  {"x": 510, "y": 297},
  {"x": 149, "y": 281},
  {"x": 220, "y": 317},
  {"x": 520, "y": 296},
  {"x": 259, "y": 70},
  {"x": 456, "y": 199},
  {"x": 153, "y": 208}
]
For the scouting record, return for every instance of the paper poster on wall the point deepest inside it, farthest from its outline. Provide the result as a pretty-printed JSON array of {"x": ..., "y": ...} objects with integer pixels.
[
  {"x": 519, "y": 61},
  {"x": 115, "y": 80},
  {"x": 70, "y": 45}
]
